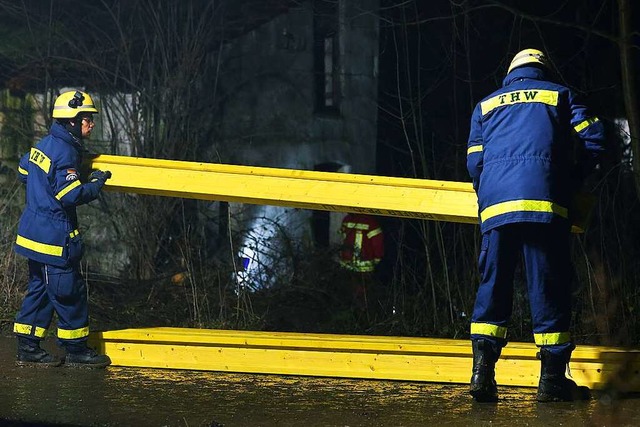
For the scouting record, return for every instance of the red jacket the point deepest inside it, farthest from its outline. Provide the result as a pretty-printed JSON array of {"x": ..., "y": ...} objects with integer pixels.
[{"x": 362, "y": 243}]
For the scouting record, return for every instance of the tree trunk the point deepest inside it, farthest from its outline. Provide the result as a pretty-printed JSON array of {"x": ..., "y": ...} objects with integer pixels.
[{"x": 628, "y": 73}]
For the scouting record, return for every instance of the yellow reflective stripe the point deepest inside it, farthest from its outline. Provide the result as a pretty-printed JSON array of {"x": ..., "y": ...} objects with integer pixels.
[
  {"x": 474, "y": 149},
  {"x": 361, "y": 266},
  {"x": 70, "y": 334},
  {"x": 68, "y": 188},
  {"x": 356, "y": 225},
  {"x": 22, "y": 171},
  {"x": 523, "y": 205},
  {"x": 74, "y": 233},
  {"x": 21, "y": 328},
  {"x": 553, "y": 338},
  {"x": 489, "y": 329},
  {"x": 357, "y": 244},
  {"x": 374, "y": 233},
  {"x": 582, "y": 125},
  {"x": 79, "y": 109},
  {"x": 40, "y": 159},
  {"x": 42, "y": 248},
  {"x": 549, "y": 97}
]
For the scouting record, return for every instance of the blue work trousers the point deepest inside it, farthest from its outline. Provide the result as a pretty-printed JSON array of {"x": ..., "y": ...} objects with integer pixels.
[
  {"x": 59, "y": 289},
  {"x": 545, "y": 249}
]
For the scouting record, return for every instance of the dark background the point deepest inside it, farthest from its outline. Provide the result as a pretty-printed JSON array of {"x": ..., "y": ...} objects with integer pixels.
[{"x": 437, "y": 59}]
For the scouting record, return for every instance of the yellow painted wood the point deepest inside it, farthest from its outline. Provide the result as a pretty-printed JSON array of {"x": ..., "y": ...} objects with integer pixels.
[
  {"x": 405, "y": 197},
  {"x": 377, "y": 195},
  {"x": 351, "y": 356}
]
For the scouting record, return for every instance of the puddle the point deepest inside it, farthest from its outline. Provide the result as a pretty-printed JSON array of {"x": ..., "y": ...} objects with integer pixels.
[{"x": 155, "y": 397}]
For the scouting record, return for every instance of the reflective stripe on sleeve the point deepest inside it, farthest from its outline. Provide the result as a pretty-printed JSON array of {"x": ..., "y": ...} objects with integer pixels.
[
  {"x": 585, "y": 124},
  {"x": 374, "y": 233},
  {"x": 39, "y": 247},
  {"x": 523, "y": 205},
  {"x": 22, "y": 171},
  {"x": 474, "y": 149},
  {"x": 489, "y": 329},
  {"x": 68, "y": 188}
]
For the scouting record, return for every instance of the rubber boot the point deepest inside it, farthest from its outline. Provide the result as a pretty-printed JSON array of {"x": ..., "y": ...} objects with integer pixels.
[
  {"x": 30, "y": 354},
  {"x": 85, "y": 357},
  {"x": 554, "y": 386},
  {"x": 483, "y": 384}
]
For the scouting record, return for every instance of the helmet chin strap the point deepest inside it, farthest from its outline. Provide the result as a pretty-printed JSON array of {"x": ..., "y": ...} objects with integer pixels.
[{"x": 75, "y": 131}]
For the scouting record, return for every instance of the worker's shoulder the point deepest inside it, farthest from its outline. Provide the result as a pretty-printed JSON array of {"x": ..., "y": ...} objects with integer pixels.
[
  {"x": 540, "y": 85},
  {"x": 527, "y": 85},
  {"x": 57, "y": 149}
]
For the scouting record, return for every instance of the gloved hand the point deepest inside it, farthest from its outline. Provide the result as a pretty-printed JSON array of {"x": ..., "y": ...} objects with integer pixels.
[{"x": 99, "y": 175}]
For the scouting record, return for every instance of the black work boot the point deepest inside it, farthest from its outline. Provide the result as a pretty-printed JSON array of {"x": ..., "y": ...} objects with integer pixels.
[
  {"x": 86, "y": 357},
  {"x": 30, "y": 354},
  {"x": 554, "y": 386},
  {"x": 483, "y": 384}
]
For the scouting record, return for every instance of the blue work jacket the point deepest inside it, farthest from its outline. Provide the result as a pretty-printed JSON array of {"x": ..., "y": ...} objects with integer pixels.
[
  {"x": 521, "y": 153},
  {"x": 48, "y": 228}
]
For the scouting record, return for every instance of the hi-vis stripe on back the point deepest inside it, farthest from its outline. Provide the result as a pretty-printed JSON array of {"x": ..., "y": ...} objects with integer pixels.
[
  {"x": 40, "y": 159},
  {"x": 549, "y": 97},
  {"x": 523, "y": 205}
]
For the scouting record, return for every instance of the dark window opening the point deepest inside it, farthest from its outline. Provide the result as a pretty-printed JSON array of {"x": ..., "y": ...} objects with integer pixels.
[{"x": 326, "y": 56}]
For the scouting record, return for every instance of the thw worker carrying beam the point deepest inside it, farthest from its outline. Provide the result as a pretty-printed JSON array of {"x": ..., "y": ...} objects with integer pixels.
[
  {"x": 48, "y": 236},
  {"x": 521, "y": 158}
]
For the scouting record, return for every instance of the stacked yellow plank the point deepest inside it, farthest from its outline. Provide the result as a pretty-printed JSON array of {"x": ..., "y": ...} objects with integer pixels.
[
  {"x": 391, "y": 358},
  {"x": 351, "y": 356}
]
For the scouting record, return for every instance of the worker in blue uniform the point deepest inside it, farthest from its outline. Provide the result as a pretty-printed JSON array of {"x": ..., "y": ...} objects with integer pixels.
[
  {"x": 48, "y": 236},
  {"x": 522, "y": 161}
]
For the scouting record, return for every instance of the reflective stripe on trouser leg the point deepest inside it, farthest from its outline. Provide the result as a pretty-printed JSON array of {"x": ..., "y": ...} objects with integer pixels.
[
  {"x": 36, "y": 312},
  {"x": 547, "y": 257},
  {"x": 68, "y": 294},
  {"x": 499, "y": 253},
  {"x": 488, "y": 330},
  {"x": 73, "y": 334}
]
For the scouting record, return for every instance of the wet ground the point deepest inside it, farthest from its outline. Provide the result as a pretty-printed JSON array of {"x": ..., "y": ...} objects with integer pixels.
[{"x": 151, "y": 397}]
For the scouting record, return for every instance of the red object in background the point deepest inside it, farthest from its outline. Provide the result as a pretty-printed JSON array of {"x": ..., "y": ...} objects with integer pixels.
[{"x": 362, "y": 243}]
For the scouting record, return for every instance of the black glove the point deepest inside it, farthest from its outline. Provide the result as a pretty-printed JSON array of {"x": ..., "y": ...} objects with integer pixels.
[{"x": 99, "y": 175}]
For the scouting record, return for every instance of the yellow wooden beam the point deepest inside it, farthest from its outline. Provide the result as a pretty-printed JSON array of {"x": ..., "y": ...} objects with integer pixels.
[
  {"x": 377, "y": 195},
  {"x": 415, "y": 359},
  {"x": 330, "y": 191},
  {"x": 353, "y": 356}
]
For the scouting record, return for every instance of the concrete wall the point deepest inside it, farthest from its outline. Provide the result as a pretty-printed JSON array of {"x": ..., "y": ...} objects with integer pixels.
[{"x": 270, "y": 118}]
